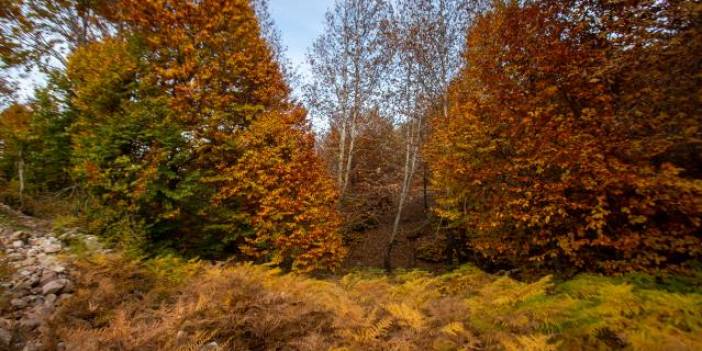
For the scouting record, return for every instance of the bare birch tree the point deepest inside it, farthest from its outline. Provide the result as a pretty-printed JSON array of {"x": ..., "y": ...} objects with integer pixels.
[
  {"x": 429, "y": 36},
  {"x": 348, "y": 66}
]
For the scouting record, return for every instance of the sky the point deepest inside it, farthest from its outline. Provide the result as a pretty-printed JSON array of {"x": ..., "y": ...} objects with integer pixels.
[{"x": 300, "y": 22}]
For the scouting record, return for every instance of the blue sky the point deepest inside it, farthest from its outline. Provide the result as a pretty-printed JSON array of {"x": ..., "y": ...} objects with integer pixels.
[{"x": 299, "y": 22}]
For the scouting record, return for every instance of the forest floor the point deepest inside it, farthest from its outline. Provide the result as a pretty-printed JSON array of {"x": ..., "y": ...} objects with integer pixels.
[{"x": 108, "y": 301}]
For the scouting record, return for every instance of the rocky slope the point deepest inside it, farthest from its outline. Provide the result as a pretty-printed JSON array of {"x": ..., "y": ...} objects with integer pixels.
[{"x": 36, "y": 277}]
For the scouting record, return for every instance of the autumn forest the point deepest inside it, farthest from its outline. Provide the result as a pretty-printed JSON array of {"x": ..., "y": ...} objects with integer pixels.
[{"x": 445, "y": 175}]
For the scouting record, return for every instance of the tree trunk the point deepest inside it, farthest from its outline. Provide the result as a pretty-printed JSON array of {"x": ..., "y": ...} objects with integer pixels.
[
  {"x": 20, "y": 174},
  {"x": 342, "y": 150},
  {"x": 349, "y": 156},
  {"x": 410, "y": 161}
]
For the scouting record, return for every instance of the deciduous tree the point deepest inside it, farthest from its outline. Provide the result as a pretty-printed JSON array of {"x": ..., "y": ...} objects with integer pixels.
[{"x": 570, "y": 140}]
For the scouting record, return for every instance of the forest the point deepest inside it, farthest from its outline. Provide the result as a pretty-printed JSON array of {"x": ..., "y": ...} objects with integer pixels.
[{"x": 446, "y": 175}]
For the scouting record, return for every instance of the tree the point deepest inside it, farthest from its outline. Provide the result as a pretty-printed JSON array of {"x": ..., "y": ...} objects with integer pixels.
[
  {"x": 16, "y": 137},
  {"x": 185, "y": 122},
  {"x": 349, "y": 63},
  {"x": 36, "y": 145},
  {"x": 42, "y": 32},
  {"x": 374, "y": 173},
  {"x": 429, "y": 36},
  {"x": 288, "y": 196},
  {"x": 561, "y": 145}
]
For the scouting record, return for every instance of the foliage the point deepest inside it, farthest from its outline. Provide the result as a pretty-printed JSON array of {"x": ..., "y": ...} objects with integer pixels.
[
  {"x": 188, "y": 139},
  {"x": 16, "y": 136},
  {"x": 572, "y": 141},
  {"x": 373, "y": 179},
  {"x": 169, "y": 304},
  {"x": 287, "y": 194},
  {"x": 34, "y": 142}
]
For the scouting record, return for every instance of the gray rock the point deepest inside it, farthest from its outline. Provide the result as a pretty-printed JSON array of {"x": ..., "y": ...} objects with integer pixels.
[
  {"x": 53, "y": 286},
  {"x": 17, "y": 244},
  {"x": 52, "y": 248},
  {"x": 34, "y": 299},
  {"x": 18, "y": 303},
  {"x": 25, "y": 273},
  {"x": 50, "y": 299},
  {"x": 29, "y": 322},
  {"x": 48, "y": 276}
]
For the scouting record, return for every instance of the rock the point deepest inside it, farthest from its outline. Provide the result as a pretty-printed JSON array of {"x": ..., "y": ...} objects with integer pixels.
[
  {"x": 61, "y": 346},
  {"x": 69, "y": 288},
  {"x": 212, "y": 346},
  {"x": 5, "y": 339},
  {"x": 34, "y": 299},
  {"x": 42, "y": 312},
  {"x": 50, "y": 300},
  {"x": 91, "y": 242},
  {"x": 20, "y": 235},
  {"x": 58, "y": 268},
  {"x": 17, "y": 244},
  {"x": 48, "y": 276},
  {"x": 18, "y": 303},
  {"x": 34, "y": 280},
  {"x": 29, "y": 322},
  {"x": 15, "y": 256},
  {"x": 32, "y": 346},
  {"x": 52, "y": 248},
  {"x": 53, "y": 286}
]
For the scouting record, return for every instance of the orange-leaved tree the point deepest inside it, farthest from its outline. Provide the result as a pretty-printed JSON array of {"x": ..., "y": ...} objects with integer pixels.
[
  {"x": 15, "y": 141},
  {"x": 195, "y": 134},
  {"x": 574, "y": 139}
]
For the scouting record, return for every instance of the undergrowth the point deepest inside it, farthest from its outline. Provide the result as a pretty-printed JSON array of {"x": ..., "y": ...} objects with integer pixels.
[{"x": 171, "y": 304}]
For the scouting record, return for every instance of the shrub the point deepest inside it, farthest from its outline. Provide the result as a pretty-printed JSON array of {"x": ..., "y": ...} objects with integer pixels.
[{"x": 171, "y": 304}]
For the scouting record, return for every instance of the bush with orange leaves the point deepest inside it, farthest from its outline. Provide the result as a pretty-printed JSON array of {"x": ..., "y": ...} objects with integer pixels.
[{"x": 574, "y": 140}]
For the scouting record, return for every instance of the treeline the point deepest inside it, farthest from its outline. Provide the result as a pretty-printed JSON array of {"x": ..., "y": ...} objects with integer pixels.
[
  {"x": 560, "y": 135},
  {"x": 174, "y": 120}
]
